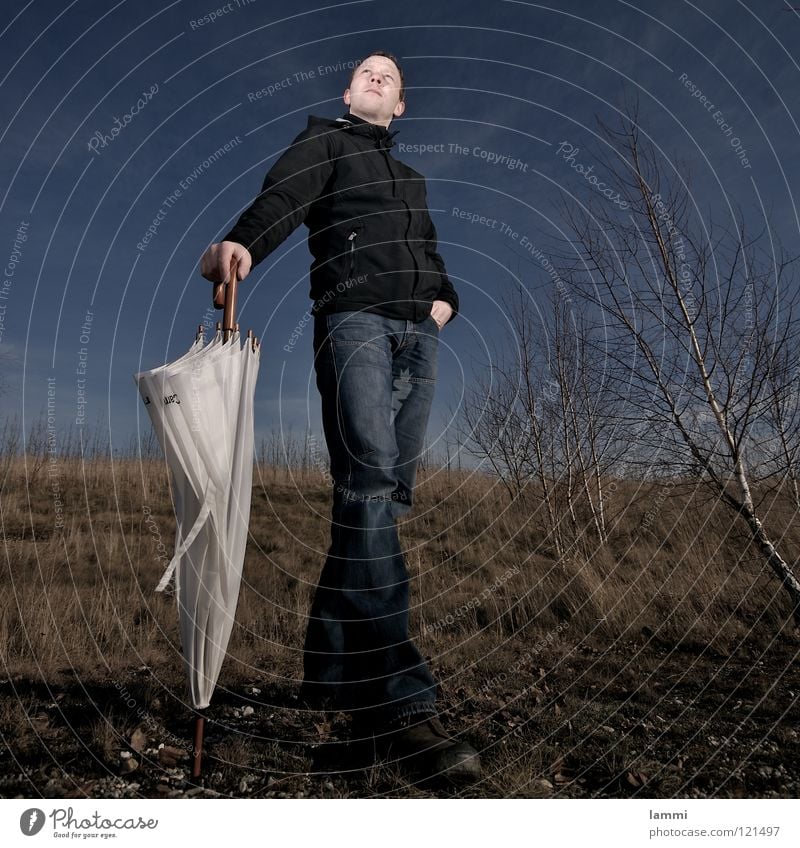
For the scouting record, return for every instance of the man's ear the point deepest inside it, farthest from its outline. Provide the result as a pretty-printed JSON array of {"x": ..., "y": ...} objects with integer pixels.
[
  {"x": 400, "y": 108},
  {"x": 346, "y": 97}
]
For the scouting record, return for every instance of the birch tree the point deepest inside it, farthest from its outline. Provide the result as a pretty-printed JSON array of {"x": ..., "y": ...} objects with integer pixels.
[{"x": 700, "y": 324}]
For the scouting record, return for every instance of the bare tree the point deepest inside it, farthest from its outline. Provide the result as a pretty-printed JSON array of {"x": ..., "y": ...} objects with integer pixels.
[
  {"x": 700, "y": 325},
  {"x": 783, "y": 419},
  {"x": 539, "y": 415}
]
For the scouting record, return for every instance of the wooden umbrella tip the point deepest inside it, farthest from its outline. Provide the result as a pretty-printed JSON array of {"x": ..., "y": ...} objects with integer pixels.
[{"x": 197, "y": 745}]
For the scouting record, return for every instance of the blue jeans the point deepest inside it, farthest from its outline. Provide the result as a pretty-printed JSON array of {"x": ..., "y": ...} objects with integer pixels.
[{"x": 376, "y": 378}]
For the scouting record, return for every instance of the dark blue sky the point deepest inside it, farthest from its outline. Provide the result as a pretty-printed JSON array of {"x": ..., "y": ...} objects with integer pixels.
[{"x": 494, "y": 79}]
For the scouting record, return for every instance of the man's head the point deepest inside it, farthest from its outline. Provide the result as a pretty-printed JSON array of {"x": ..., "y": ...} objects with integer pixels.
[{"x": 377, "y": 89}]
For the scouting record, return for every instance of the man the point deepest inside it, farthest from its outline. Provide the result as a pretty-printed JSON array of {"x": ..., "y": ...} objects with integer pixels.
[{"x": 381, "y": 295}]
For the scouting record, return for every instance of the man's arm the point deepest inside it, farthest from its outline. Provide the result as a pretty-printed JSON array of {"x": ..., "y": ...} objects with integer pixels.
[
  {"x": 290, "y": 186},
  {"x": 446, "y": 291}
]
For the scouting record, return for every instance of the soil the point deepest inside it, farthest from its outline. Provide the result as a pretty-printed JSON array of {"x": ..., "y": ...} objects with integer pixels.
[{"x": 597, "y": 721}]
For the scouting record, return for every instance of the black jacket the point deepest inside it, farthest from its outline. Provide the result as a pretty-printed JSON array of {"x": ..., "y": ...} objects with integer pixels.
[{"x": 370, "y": 233}]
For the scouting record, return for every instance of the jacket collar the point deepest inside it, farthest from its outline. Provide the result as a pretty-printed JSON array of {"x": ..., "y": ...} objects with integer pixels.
[{"x": 383, "y": 138}]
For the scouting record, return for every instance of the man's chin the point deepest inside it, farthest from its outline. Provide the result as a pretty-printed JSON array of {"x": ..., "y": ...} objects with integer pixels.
[{"x": 373, "y": 115}]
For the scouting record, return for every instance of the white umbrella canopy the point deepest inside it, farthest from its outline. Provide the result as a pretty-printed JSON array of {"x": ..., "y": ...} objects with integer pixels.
[{"x": 201, "y": 406}]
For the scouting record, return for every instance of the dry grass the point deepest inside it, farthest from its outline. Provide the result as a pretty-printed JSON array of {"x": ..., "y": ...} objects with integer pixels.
[{"x": 576, "y": 643}]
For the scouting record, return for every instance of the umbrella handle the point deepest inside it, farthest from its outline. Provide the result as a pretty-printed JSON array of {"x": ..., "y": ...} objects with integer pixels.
[{"x": 225, "y": 299}]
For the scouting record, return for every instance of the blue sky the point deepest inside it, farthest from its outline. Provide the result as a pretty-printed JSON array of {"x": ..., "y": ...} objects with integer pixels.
[{"x": 512, "y": 79}]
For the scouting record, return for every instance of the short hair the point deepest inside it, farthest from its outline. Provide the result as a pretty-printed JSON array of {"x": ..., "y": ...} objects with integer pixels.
[{"x": 393, "y": 58}]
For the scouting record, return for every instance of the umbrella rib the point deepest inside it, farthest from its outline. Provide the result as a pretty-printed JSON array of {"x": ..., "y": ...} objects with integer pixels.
[{"x": 187, "y": 541}]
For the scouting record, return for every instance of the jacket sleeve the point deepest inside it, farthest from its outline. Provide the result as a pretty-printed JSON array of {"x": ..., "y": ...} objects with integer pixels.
[
  {"x": 294, "y": 182},
  {"x": 446, "y": 290}
]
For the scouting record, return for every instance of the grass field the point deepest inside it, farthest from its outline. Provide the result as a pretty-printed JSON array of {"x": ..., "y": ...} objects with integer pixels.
[{"x": 663, "y": 664}]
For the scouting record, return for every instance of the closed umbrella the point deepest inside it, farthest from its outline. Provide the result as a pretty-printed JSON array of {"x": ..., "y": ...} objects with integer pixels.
[{"x": 201, "y": 406}]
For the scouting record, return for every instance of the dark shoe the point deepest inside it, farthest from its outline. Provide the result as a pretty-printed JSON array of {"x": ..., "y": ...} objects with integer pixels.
[{"x": 421, "y": 745}]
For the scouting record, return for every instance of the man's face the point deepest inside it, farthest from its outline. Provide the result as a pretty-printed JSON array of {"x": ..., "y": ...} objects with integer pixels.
[{"x": 374, "y": 92}]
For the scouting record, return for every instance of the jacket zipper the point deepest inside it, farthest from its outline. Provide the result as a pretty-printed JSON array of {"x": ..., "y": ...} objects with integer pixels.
[
  {"x": 408, "y": 210},
  {"x": 352, "y": 239}
]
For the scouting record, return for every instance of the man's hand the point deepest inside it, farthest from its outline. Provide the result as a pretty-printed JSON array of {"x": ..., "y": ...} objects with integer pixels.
[
  {"x": 215, "y": 263},
  {"x": 441, "y": 312}
]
